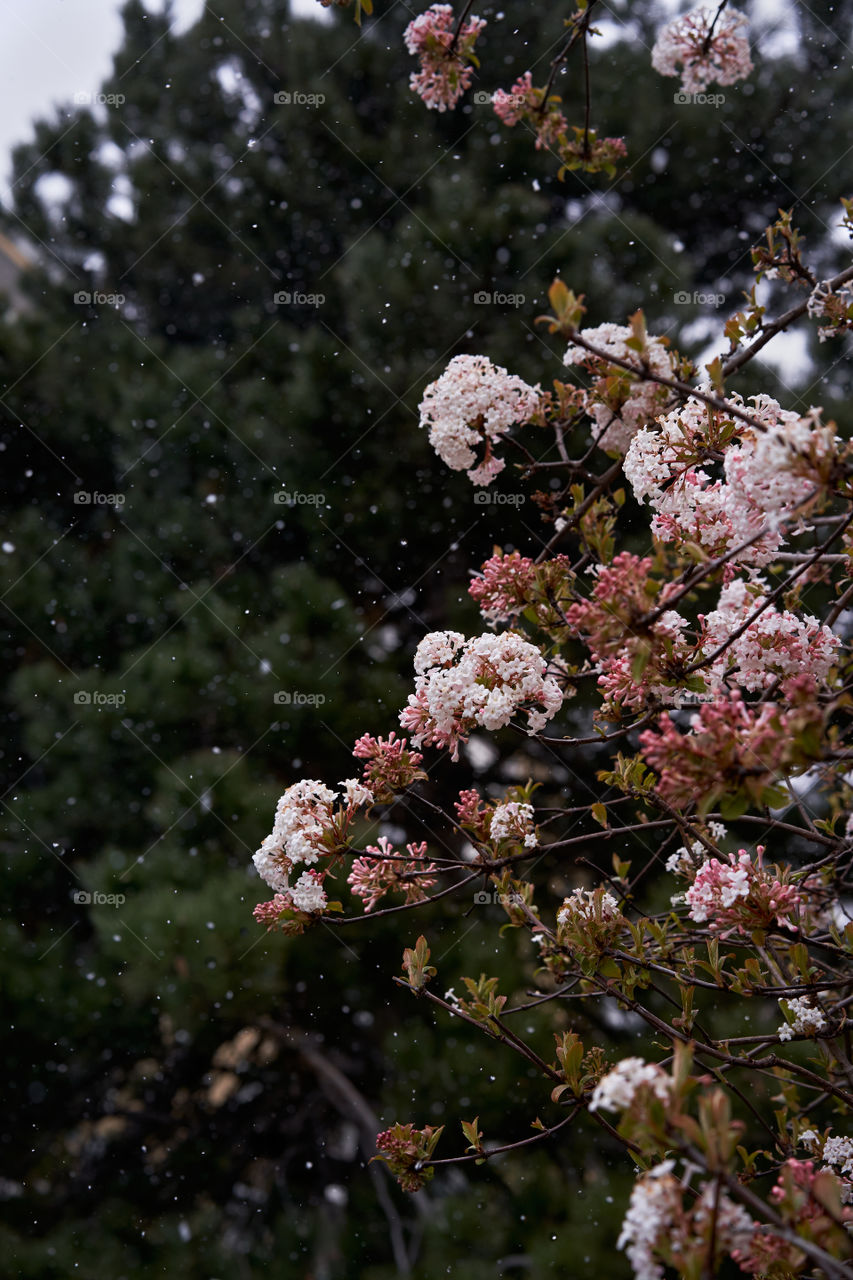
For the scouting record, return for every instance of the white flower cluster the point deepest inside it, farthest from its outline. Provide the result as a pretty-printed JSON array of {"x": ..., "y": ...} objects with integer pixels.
[
  {"x": 654, "y": 1206},
  {"x": 818, "y": 298},
  {"x": 645, "y": 398},
  {"x": 823, "y": 301},
  {"x": 777, "y": 643},
  {"x": 807, "y": 1019},
  {"x": 766, "y": 475},
  {"x": 581, "y": 907},
  {"x": 616, "y": 1091},
  {"x": 308, "y": 893},
  {"x": 685, "y": 43},
  {"x": 837, "y": 1154},
  {"x": 302, "y": 817},
  {"x": 839, "y": 1151},
  {"x": 732, "y": 1224},
  {"x": 475, "y": 401},
  {"x": 656, "y": 1222},
  {"x": 514, "y": 821},
  {"x": 483, "y": 681},
  {"x": 685, "y": 861}
]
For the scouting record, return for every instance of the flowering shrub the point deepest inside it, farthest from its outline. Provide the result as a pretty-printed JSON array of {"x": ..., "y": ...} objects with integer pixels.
[{"x": 717, "y": 706}]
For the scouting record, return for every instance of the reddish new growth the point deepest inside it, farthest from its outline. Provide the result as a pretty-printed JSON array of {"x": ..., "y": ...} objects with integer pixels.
[
  {"x": 733, "y": 751},
  {"x": 371, "y": 878},
  {"x": 405, "y": 1150},
  {"x": 390, "y": 767},
  {"x": 525, "y": 102},
  {"x": 592, "y": 154},
  {"x": 741, "y": 895}
]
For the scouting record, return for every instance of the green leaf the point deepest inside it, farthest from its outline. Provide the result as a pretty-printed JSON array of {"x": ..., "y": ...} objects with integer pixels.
[{"x": 599, "y": 812}]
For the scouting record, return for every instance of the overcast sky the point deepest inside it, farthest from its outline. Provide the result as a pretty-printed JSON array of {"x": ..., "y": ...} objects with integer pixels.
[{"x": 52, "y": 49}]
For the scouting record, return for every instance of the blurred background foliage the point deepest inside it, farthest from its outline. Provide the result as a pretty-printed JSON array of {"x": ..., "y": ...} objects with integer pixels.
[{"x": 184, "y": 1095}]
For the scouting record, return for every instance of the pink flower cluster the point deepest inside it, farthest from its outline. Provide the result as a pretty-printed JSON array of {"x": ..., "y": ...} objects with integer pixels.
[
  {"x": 740, "y": 895},
  {"x": 387, "y": 872},
  {"x": 618, "y": 401},
  {"x": 268, "y": 912},
  {"x": 525, "y": 102},
  {"x": 610, "y": 623},
  {"x": 471, "y": 813},
  {"x": 390, "y": 766},
  {"x": 461, "y": 684},
  {"x": 512, "y": 584},
  {"x": 707, "y": 45},
  {"x": 406, "y": 1151},
  {"x": 545, "y": 118},
  {"x": 504, "y": 589},
  {"x": 767, "y": 474},
  {"x": 733, "y": 749},
  {"x": 445, "y": 71},
  {"x": 777, "y": 643},
  {"x": 801, "y": 1196},
  {"x": 474, "y": 403}
]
